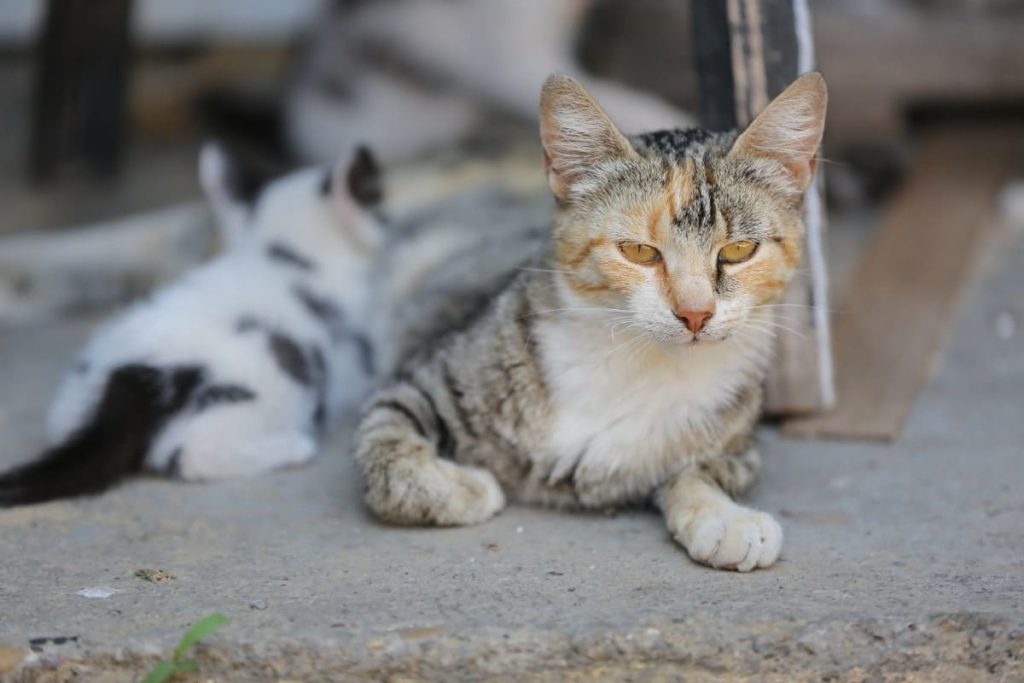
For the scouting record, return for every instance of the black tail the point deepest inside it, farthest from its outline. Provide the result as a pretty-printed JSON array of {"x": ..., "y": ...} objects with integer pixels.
[{"x": 136, "y": 402}]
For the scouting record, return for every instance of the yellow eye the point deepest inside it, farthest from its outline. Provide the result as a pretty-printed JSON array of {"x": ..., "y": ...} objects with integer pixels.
[
  {"x": 737, "y": 252},
  {"x": 644, "y": 254}
]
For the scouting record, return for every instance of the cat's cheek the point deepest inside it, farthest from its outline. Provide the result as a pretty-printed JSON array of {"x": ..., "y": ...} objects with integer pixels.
[
  {"x": 763, "y": 280},
  {"x": 648, "y": 303}
]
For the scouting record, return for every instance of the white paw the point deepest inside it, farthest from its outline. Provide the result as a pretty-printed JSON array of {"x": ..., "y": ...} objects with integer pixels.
[
  {"x": 731, "y": 537},
  {"x": 479, "y": 496}
]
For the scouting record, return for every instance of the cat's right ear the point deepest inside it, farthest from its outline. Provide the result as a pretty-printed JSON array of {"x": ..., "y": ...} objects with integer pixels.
[
  {"x": 355, "y": 188},
  {"x": 577, "y": 136},
  {"x": 217, "y": 176},
  {"x": 358, "y": 179},
  {"x": 788, "y": 133}
]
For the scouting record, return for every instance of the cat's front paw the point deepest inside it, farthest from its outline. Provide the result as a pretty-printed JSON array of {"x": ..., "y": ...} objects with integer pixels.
[
  {"x": 731, "y": 537},
  {"x": 431, "y": 491}
]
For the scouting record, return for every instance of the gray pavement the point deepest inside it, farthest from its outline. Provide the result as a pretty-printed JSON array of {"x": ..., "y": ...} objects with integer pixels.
[{"x": 902, "y": 560}]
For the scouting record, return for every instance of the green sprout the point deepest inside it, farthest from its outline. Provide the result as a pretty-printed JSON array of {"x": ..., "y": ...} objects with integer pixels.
[{"x": 167, "y": 668}]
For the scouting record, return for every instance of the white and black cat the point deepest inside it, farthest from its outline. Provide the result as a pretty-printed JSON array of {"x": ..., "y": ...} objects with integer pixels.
[
  {"x": 240, "y": 366},
  {"x": 407, "y": 74}
]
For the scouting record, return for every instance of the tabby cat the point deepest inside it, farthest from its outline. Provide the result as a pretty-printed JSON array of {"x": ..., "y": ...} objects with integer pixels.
[{"x": 621, "y": 360}]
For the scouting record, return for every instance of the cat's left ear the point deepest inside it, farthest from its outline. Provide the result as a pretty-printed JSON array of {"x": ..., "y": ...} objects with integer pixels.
[
  {"x": 789, "y": 131},
  {"x": 577, "y": 135},
  {"x": 218, "y": 177}
]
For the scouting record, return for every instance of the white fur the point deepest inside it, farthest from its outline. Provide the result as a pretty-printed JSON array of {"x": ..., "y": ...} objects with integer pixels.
[
  {"x": 622, "y": 400},
  {"x": 397, "y": 119},
  {"x": 502, "y": 50},
  {"x": 194, "y": 321},
  {"x": 487, "y": 53},
  {"x": 718, "y": 532}
]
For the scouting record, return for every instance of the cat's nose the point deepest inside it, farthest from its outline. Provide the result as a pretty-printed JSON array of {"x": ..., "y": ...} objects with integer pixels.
[{"x": 695, "y": 320}]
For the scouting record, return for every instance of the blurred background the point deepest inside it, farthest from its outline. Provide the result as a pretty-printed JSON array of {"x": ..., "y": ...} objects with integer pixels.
[
  {"x": 163, "y": 76},
  {"x": 106, "y": 103}
]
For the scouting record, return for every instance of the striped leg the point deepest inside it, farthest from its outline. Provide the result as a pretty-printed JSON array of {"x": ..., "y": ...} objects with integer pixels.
[{"x": 407, "y": 482}]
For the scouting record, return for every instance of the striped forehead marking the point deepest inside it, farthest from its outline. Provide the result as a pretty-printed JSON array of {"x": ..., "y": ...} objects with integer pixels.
[{"x": 699, "y": 211}]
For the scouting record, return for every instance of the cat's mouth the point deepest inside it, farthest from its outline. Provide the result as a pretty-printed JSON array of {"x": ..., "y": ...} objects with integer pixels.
[{"x": 703, "y": 338}]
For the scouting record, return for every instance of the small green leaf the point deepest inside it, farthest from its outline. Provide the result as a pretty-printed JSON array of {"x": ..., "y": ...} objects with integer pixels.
[
  {"x": 200, "y": 630},
  {"x": 186, "y": 665},
  {"x": 161, "y": 672}
]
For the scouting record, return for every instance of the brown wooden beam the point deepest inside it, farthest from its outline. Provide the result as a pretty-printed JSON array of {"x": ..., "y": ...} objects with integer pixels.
[{"x": 901, "y": 302}]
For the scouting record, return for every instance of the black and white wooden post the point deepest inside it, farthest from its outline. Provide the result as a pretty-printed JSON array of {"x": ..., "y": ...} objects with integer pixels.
[{"x": 748, "y": 51}]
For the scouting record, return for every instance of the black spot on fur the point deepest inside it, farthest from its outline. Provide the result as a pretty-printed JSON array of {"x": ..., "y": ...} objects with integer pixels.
[
  {"x": 290, "y": 358},
  {"x": 223, "y": 393},
  {"x": 332, "y": 316},
  {"x": 367, "y": 359},
  {"x": 183, "y": 382},
  {"x": 364, "y": 181},
  {"x": 136, "y": 403},
  {"x": 318, "y": 365},
  {"x": 327, "y": 312},
  {"x": 307, "y": 366},
  {"x": 248, "y": 323},
  {"x": 286, "y": 255}
]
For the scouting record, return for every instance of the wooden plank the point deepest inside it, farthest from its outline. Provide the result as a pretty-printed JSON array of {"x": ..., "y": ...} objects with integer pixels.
[
  {"x": 748, "y": 51},
  {"x": 901, "y": 301},
  {"x": 980, "y": 61}
]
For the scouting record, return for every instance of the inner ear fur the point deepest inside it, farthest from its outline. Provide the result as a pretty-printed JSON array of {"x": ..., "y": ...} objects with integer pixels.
[
  {"x": 576, "y": 134},
  {"x": 789, "y": 130},
  {"x": 362, "y": 178}
]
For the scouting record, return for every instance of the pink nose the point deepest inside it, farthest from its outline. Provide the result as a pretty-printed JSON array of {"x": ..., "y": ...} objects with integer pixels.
[{"x": 694, "y": 320}]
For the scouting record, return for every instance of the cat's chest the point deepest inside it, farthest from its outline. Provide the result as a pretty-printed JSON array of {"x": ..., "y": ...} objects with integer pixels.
[{"x": 620, "y": 426}]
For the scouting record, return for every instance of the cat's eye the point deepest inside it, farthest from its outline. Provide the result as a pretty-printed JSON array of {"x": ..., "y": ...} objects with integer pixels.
[
  {"x": 644, "y": 254},
  {"x": 737, "y": 252}
]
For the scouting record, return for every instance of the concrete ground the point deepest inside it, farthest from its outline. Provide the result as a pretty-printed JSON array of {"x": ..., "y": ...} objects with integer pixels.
[{"x": 901, "y": 562}]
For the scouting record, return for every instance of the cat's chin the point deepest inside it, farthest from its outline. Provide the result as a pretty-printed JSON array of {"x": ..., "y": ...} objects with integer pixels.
[
  {"x": 702, "y": 342},
  {"x": 695, "y": 342}
]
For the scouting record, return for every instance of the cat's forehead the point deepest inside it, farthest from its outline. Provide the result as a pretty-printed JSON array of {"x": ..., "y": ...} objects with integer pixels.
[
  {"x": 692, "y": 194},
  {"x": 677, "y": 144}
]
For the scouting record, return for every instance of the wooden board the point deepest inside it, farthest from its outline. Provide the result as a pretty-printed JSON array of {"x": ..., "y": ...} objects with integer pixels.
[
  {"x": 748, "y": 51},
  {"x": 911, "y": 53},
  {"x": 901, "y": 302}
]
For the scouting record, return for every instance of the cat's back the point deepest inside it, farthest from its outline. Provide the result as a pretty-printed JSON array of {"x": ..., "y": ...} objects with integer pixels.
[
  {"x": 450, "y": 263},
  {"x": 183, "y": 318}
]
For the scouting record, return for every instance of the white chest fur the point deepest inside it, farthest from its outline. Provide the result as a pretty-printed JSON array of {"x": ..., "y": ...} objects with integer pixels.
[{"x": 627, "y": 412}]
